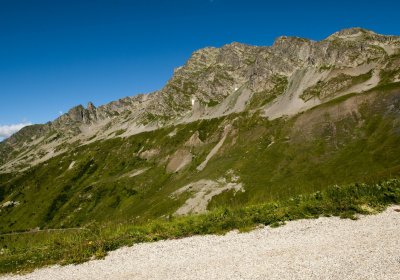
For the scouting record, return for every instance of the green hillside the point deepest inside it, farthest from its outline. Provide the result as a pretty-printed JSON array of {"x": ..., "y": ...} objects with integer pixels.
[{"x": 350, "y": 139}]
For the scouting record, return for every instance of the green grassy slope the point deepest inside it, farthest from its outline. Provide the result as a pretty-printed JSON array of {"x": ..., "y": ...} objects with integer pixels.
[
  {"x": 354, "y": 138},
  {"x": 27, "y": 251}
]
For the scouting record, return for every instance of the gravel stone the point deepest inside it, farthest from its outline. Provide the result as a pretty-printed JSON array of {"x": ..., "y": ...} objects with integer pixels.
[{"x": 324, "y": 248}]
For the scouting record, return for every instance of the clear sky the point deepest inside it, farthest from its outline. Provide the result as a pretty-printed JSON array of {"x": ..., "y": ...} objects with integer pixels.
[{"x": 55, "y": 54}]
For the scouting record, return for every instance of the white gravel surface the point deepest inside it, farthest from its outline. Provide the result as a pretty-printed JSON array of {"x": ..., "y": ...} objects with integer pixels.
[{"x": 325, "y": 248}]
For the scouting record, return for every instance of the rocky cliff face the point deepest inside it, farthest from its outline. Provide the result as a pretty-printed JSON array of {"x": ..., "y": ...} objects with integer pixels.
[{"x": 289, "y": 77}]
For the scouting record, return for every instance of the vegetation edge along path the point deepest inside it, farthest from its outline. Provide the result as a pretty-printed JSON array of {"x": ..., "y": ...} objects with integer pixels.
[{"x": 23, "y": 253}]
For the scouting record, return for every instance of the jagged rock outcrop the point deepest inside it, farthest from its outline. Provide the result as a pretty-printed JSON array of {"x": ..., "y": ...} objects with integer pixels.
[{"x": 292, "y": 75}]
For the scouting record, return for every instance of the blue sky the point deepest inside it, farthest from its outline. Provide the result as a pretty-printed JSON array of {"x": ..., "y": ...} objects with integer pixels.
[{"x": 57, "y": 54}]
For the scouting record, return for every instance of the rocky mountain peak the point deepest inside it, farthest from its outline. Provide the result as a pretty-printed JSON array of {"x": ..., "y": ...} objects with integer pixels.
[
  {"x": 76, "y": 113},
  {"x": 348, "y": 33},
  {"x": 91, "y": 107},
  {"x": 290, "y": 40}
]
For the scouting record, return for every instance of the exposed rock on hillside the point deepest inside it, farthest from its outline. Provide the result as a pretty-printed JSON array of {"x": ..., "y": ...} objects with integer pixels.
[{"x": 292, "y": 75}]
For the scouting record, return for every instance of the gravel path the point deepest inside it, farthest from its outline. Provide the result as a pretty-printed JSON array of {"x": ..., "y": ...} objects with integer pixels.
[{"x": 326, "y": 248}]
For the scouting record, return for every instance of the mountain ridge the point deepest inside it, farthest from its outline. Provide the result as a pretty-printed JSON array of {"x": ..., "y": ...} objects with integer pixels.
[{"x": 277, "y": 80}]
